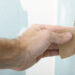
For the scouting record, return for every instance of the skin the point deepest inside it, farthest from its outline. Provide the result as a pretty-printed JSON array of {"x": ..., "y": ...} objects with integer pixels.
[{"x": 37, "y": 42}]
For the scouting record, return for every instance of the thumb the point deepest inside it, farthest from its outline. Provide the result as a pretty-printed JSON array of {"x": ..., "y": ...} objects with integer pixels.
[{"x": 61, "y": 38}]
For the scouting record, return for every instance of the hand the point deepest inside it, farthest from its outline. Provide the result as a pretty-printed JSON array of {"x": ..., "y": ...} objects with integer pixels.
[{"x": 40, "y": 41}]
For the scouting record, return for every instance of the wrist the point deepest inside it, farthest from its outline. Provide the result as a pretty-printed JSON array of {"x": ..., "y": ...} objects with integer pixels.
[{"x": 9, "y": 53}]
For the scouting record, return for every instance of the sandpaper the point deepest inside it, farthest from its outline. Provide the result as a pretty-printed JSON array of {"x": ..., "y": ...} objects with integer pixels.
[{"x": 67, "y": 49}]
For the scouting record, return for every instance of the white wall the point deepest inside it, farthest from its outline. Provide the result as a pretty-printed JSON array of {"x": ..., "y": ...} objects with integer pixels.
[{"x": 41, "y": 12}]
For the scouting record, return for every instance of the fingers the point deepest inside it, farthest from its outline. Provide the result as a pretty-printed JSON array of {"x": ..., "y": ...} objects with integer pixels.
[
  {"x": 53, "y": 46},
  {"x": 57, "y": 28},
  {"x": 51, "y": 52},
  {"x": 53, "y": 28},
  {"x": 61, "y": 38}
]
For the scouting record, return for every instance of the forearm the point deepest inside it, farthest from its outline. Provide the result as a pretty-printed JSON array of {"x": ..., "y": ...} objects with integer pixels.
[{"x": 9, "y": 50}]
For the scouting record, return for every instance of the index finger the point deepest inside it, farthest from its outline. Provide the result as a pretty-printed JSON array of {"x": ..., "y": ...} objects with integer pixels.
[{"x": 58, "y": 28}]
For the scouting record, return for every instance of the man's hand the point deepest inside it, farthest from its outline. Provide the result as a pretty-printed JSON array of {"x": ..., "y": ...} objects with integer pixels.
[{"x": 40, "y": 41}]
